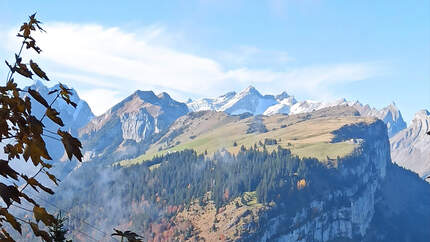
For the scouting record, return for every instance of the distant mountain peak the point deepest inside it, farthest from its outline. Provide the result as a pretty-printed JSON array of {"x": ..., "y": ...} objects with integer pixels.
[
  {"x": 128, "y": 127},
  {"x": 250, "y": 90},
  {"x": 422, "y": 114},
  {"x": 340, "y": 100},
  {"x": 164, "y": 95},
  {"x": 145, "y": 94},
  {"x": 282, "y": 96}
]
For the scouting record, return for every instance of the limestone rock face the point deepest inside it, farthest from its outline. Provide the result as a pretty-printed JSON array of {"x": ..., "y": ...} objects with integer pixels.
[
  {"x": 343, "y": 213},
  {"x": 410, "y": 148},
  {"x": 390, "y": 115},
  {"x": 131, "y": 126}
]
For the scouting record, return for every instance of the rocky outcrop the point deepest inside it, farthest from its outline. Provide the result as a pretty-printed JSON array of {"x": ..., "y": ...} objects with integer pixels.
[
  {"x": 341, "y": 213},
  {"x": 410, "y": 148},
  {"x": 131, "y": 126},
  {"x": 390, "y": 115}
]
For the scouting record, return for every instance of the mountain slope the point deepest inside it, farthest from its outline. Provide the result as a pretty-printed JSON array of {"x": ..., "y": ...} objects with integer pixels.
[
  {"x": 410, "y": 148},
  {"x": 209, "y": 131},
  {"x": 131, "y": 126}
]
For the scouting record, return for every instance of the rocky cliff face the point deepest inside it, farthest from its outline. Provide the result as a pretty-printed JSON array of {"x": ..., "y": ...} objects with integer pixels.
[
  {"x": 343, "y": 213},
  {"x": 390, "y": 115},
  {"x": 410, "y": 148},
  {"x": 130, "y": 126}
]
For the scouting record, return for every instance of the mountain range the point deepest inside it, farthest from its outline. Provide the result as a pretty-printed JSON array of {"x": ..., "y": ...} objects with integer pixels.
[
  {"x": 129, "y": 128},
  {"x": 252, "y": 101},
  {"x": 247, "y": 167}
]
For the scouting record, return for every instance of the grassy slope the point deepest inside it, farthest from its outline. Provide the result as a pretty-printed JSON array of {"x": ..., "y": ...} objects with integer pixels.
[{"x": 305, "y": 135}]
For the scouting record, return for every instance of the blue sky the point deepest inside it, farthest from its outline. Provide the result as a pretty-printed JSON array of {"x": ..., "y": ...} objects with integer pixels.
[{"x": 372, "y": 51}]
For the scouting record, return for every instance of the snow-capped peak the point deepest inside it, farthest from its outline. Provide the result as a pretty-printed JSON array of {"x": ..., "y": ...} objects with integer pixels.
[
  {"x": 423, "y": 114},
  {"x": 252, "y": 101}
]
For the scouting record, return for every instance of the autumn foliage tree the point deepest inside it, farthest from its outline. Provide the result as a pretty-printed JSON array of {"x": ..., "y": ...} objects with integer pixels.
[{"x": 23, "y": 135}]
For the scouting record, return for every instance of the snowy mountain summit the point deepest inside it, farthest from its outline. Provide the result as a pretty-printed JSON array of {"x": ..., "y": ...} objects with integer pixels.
[
  {"x": 252, "y": 101},
  {"x": 249, "y": 100}
]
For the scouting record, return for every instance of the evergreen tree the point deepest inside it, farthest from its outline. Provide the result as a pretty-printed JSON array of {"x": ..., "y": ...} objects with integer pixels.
[{"x": 57, "y": 230}]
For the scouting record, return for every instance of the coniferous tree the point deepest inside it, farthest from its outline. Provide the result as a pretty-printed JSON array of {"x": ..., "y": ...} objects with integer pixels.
[{"x": 58, "y": 230}]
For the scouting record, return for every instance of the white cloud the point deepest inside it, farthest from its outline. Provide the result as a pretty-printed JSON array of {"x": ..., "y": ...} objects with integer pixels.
[
  {"x": 109, "y": 63},
  {"x": 255, "y": 57},
  {"x": 100, "y": 99}
]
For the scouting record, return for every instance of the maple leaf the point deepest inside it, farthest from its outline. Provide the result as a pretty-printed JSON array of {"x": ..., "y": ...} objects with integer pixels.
[
  {"x": 27, "y": 102},
  {"x": 36, "y": 95},
  {"x": 34, "y": 184},
  {"x": 71, "y": 144},
  {"x": 52, "y": 177},
  {"x": 9, "y": 194},
  {"x": 40, "y": 214},
  {"x": 26, "y": 29},
  {"x": 5, "y": 236},
  {"x": 6, "y": 170},
  {"x": 23, "y": 70},
  {"x": 35, "y": 149},
  {"x": 65, "y": 95},
  {"x": 40, "y": 233},
  {"x": 35, "y": 67},
  {"x": 35, "y": 125},
  {"x": 53, "y": 115},
  {"x": 33, "y": 20},
  {"x": 32, "y": 44},
  {"x": 46, "y": 165},
  {"x": 11, "y": 219},
  {"x": 53, "y": 91}
]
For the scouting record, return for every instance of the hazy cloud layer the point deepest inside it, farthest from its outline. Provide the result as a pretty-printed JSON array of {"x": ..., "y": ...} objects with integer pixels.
[{"x": 107, "y": 64}]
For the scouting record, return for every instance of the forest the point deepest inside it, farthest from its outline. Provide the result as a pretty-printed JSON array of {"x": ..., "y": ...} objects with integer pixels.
[{"x": 158, "y": 188}]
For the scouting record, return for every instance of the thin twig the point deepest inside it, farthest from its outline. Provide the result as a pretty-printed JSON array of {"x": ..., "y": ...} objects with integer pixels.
[
  {"x": 52, "y": 137},
  {"x": 49, "y": 131},
  {"x": 22, "y": 189},
  {"x": 10, "y": 71},
  {"x": 25, "y": 209}
]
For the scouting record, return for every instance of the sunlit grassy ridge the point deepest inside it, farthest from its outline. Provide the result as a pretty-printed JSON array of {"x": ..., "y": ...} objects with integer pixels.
[{"x": 304, "y": 135}]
